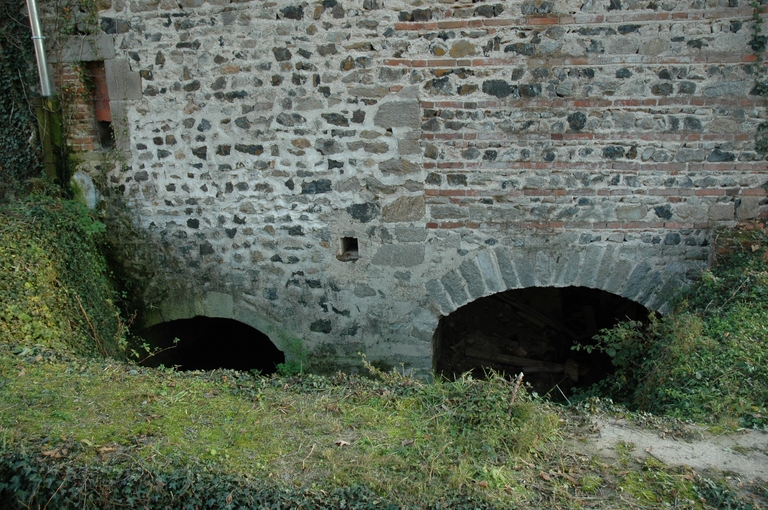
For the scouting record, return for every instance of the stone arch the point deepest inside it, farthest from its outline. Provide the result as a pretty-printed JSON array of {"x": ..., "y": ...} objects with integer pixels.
[
  {"x": 222, "y": 305},
  {"x": 649, "y": 282}
]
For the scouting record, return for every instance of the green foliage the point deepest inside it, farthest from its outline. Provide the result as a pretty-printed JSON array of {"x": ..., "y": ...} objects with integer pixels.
[
  {"x": 708, "y": 360},
  {"x": 54, "y": 280},
  {"x": 298, "y": 358},
  {"x": 103, "y": 425},
  {"x": 19, "y": 150},
  {"x": 758, "y": 44}
]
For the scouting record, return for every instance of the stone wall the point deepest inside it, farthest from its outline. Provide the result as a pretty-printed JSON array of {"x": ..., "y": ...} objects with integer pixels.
[{"x": 346, "y": 172}]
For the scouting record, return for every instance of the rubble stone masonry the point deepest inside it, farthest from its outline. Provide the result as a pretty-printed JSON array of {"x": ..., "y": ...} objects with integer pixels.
[{"x": 467, "y": 147}]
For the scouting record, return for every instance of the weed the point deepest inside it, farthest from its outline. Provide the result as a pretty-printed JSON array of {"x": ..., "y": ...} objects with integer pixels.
[{"x": 706, "y": 360}]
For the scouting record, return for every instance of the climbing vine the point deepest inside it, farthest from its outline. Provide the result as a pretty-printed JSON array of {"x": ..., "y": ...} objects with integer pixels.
[
  {"x": 758, "y": 43},
  {"x": 20, "y": 156},
  {"x": 20, "y": 146}
]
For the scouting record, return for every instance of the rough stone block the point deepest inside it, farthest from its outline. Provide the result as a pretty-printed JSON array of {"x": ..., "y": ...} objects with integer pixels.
[
  {"x": 592, "y": 259},
  {"x": 651, "y": 282},
  {"x": 631, "y": 212},
  {"x": 120, "y": 126},
  {"x": 748, "y": 207},
  {"x": 122, "y": 83},
  {"x": 411, "y": 234},
  {"x": 218, "y": 304},
  {"x": 721, "y": 212},
  {"x": 394, "y": 255},
  {"x": 507, "y": 269},
  {"x": 398, "y": 114},
  {"x": 543, "y": 269},
  {"x": 566, "y": 269},
  {"x": 492, "y": 281},
  {"x": 636, "y": 281},
  {"x": 86, "y": 49},
  {"x": 404, "y": 209},
  {"x": 438, "y": 294},
  {"x": 620, "y": 273},
  {"x": 525, "y": 270},
  {"x": 605, "y": 269},
  {"x": 398, "y": 167},
  {"x": 473, "y": 277},
  {"x": 454, "y": 285}
]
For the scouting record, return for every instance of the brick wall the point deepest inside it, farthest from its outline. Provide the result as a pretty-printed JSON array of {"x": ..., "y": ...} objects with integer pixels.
[{"x": 80, "y": 114}]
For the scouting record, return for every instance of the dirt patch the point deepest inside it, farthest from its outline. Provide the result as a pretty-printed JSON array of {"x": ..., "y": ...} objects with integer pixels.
[{"x": 743, "y": 454}]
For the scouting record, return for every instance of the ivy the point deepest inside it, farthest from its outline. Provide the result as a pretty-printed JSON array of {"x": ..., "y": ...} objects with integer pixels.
[
  {"x": 29, "y": 481},
  {"x": 758, "y": 44},
  {"x": 54, "y": 279},
  {"x": 20, "y": 154}
]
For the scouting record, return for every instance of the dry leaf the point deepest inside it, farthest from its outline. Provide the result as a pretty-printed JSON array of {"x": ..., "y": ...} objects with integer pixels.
[
  {"x": 483, "y": 484},
  {"x": 545, "y": 476},
  {"x": 407, "y": 442}
]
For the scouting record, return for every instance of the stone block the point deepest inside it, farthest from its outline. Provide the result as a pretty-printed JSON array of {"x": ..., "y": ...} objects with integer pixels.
[
  {"x": 411, "y": 234},
  {"x": 651, "y": 282},
  {"x": 398, "y": 114},
  {"x": 507, "y": 269},
  {"x": 122, "y": 83},
  {"x": 454, "y": 285},
  {"x": 525, "y": 270},
  {"x": 727, "y": 89},
  {"x": 438, "y": 294},
  {"x": 631, "y": 212},
  {"x": 748, "y": 207},
  {"x": 721, "y": 211},
  {"x": 120, "y": 126},
  {"x": 471, "y": 273},
  {"x": 619, "y": 274},
  {"x": 393, "y": 255},
  {"x": 398, "y": 167},
  {"x": 404, "y": 209},
  {"x": 218, "y": 304},
  {"x": 542, "y": 268},
  {"x": 86, "y": 49},
  {"x": 567, "y": 268},
  {"x": 605, "y": 269},
  {"x": 636, "y": 281},
  {"x": 492, "y": 281},
  {"x": 686, "y": 155},
  {"x": 592, "y": 259}
]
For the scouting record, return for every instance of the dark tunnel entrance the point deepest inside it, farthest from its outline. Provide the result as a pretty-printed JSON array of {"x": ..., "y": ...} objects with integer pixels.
[
  {"x": 207, "y": 343},
  {"x": 532, "y": 330}
]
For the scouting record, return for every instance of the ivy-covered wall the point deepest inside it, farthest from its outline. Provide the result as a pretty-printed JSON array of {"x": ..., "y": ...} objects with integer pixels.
[{"x": 19, "y": 144}]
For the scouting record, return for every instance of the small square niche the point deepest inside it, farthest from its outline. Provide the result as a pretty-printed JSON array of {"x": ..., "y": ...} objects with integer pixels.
[{"x": 349, "y": 249}]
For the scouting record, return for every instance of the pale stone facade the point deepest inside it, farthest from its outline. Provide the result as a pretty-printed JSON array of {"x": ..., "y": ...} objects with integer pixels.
[{"x": 346, "y": 172}]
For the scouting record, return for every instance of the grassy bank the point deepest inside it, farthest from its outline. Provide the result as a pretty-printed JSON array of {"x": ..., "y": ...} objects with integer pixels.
[
  {"x": 80, "y": 428},
  {"x": 54, "y": 280},
  {"x": 102, "y": 434},
  {"x": 706, "y": 361}
]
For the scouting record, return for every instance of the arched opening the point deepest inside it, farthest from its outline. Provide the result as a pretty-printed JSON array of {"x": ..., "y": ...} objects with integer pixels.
[
  {"x": 206, "y": 343},
  {"x": 532, "y": 330}
]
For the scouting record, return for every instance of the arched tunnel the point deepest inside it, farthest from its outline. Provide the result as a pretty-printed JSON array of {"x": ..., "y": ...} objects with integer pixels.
[
  {"x": 533, "y": 330},
  {"x": 206, "y": 343}
]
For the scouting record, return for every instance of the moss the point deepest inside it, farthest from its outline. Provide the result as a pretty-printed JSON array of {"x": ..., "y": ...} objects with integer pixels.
[{"x": 54, "y": 279}]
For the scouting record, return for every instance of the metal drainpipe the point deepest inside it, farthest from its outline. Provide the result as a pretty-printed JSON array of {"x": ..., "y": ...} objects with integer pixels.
[{"x": 37, "y": 39}]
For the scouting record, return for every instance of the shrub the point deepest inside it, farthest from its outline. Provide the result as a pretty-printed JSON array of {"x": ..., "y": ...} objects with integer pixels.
[{"x": 706, "y": 360}]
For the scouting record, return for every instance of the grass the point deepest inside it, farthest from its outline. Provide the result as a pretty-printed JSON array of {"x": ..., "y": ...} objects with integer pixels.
[
  {"x": 459, "y": 444},
  {"x": 80, "y": 429},
  {"x": 399, "y": 438}
]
